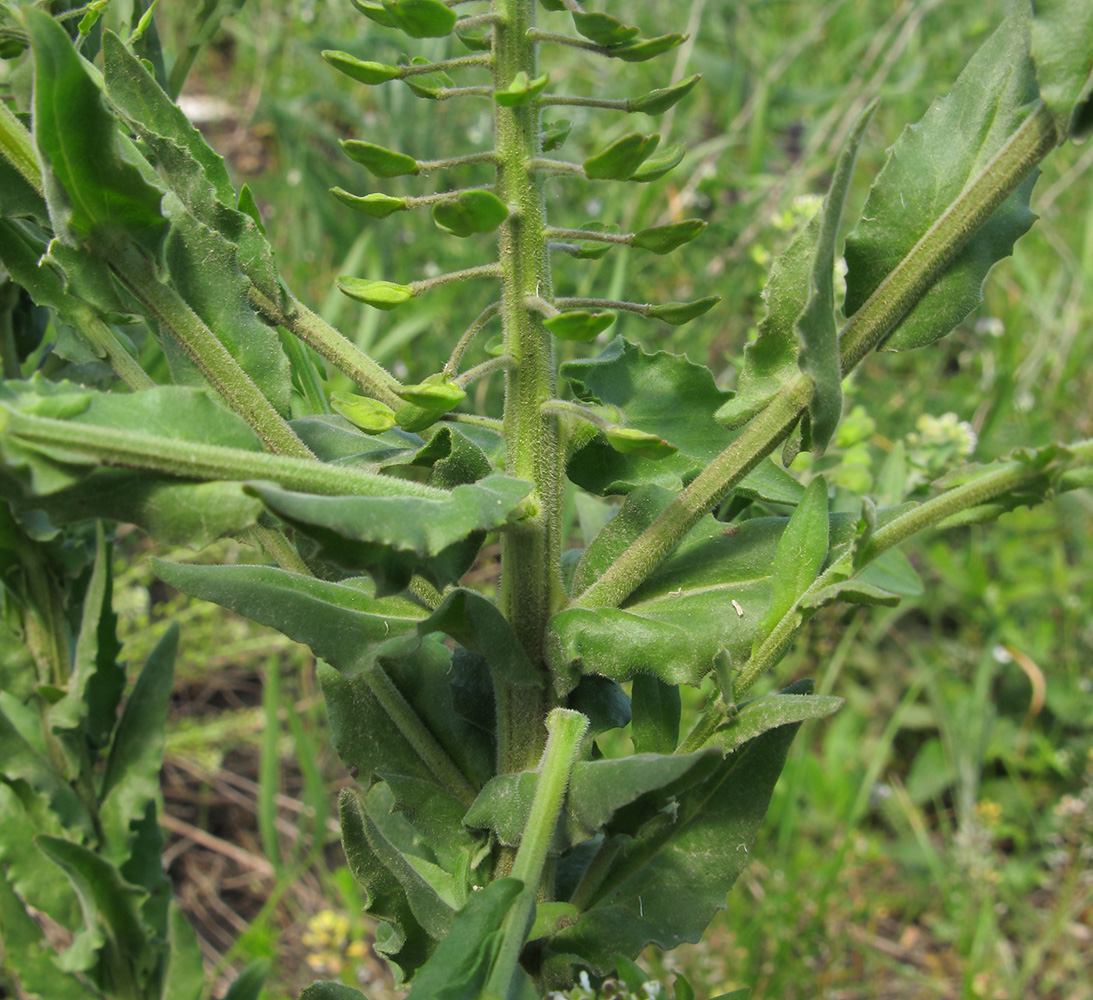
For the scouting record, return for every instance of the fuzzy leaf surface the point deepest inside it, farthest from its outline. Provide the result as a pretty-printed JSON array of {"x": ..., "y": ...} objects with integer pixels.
[
  {"x": 1062, "y": 49},
  {"x": 928, "y": 167}
]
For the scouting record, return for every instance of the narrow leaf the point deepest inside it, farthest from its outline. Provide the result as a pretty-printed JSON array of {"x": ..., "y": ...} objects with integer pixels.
[
  {"x": 665, "y": 239},
  {"x": 603, "y": 29},
  {"x": 643, "y": 49},
  {"x": 381, "y": 162},
  {"x": 619, "y": 160},
  {"x": 384, "y": 295},
  {"x": 762, "y": 714},
  {"x": 656, "y": 102},
  {"x": 360, "y": 69},
  {"x": 678, "y": 313},
  {"x": 377, "y": 206}
]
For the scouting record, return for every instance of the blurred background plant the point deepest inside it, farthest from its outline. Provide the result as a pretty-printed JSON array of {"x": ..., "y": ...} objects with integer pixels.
[{"x": 930, "y": 841}]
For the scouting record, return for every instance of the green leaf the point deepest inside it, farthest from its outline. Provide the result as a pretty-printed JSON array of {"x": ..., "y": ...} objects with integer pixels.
[
  {"x": 762, "y": 714},
  {"x": 421, "y": 18},
  {"x": 131, "y": 779},
  {"x": 664, "y": 886},
  {"x": 328, "y": 989},
  {"x": 665, "y": 239},
  {"x": 801, "y": 552},
  {"x": 602, "y": 702},
  {"x": 678, "y": 313},
  {"x": 476, "y": 39},
  {"x": 521, "y": 90},
  {"x": 393, "y": 537},
  {"x": 604, "y": 30},
  {"x": 184, "y": 978},
  {"x": 631, "y": 441},
  {"x": 458, "y": 968},
  {"x": 590, "y": 249},
  {"x": 439, "y": 395},
  {"x": 551, "y": 918},
  {"x": 377, "y": 206},
  {"x": 555, "y": 134},
  {"x": 470, "y": 212},
  {"x": 671, "y": 397},
  {"x": 579, "y": 326},
  {"x": 655, "y": 711},
  {"x": 361, "y": 70},
  {"x": 1062, "y": 49},
  {"x": 654, "y": 168},
  {"x": 248, "y": 984},
  {"x": 427, "y": 85},
  {"x": 376, "y": 12},
  {"x": 384, "y": 295},
  {"x": 379, "y": 161},
  {"x": 93, "y": 191},
  {"x": 370, "y": 415},
  {"x": 815, "y": 327},
  {"x": 925, "y": 172},
  {"x": 656, "y": 102},
  {"x": 642, "y": 49},
  {"x": 619, "y": 160}
]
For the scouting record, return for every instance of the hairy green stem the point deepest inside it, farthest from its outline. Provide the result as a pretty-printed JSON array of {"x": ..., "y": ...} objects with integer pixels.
[
  {"x": 17, "y": 147},
  {"x": 566, "y": 729},
  {"x": 469, "y": 334},
  {"x": 531, "y": 587},
  {"x": 208, "y": 353},
  {"x": 865, "y": 330},
  {"x": 331, "y": 345},
  {"x": 196, "y": 460}
]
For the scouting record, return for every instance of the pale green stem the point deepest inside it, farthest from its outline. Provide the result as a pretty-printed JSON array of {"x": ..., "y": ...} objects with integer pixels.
[
  {"x": 587, "y": 234},
  {"x": 866, "y": 329},
  {"x": 566, "y": 729},
  {"x": 443, "y": 65},
  {"x": 195, "y": 460},
  {"x": 990, "y": 483},
  {"x": 447, "y": 93},
  {"x": 208, "y": 353},
  {"x": 641, "y": 308},
  {"x": 331, "y": 345},
  {"x": 467, "y": 274},
  {"x": 17, "y": 147},
  {"x": 276, "y": 545},
  {"x": 427, "y": 166},
  {"x": 104, "y": 342},
  {"x": 467, "y": 339},
  {"x": 484, "y": 370},
  {"x": 531, "y": 588},
  {"x": 566, "y": 407}
]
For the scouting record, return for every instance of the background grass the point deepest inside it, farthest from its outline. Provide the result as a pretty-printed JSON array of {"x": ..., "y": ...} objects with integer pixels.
[{"x": 933, "y": 839}]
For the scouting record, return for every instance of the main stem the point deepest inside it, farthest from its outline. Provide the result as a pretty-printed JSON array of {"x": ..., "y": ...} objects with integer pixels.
[{"x": 530, "y": 552}]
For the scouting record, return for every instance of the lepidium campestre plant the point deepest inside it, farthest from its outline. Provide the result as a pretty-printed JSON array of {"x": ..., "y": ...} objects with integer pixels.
[{"x": 504, "y": 854}]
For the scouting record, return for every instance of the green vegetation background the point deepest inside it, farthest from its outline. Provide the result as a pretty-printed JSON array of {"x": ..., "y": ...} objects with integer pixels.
[{"x": 933, "y": 840}]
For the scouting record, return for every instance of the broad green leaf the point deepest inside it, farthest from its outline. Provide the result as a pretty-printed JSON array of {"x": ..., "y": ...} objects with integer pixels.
[
  {"x": 377, "y": 206},
  {"x": 458, "y": 968},
  {"x": 27, "y": 953},
  {"x": 654, "y": 711},
  {"x": 654, "y": 168},
  {"x": 359, "y": 69},
  {"x": 579, "y": 326},
  {"x": 801, "y": 552},
  {"x": 421, "y": 18},
  {"x": 110, "y": 907},
  {"x": 656, "y": 102},
  {"x": 795, "y": 704},
  {"x": 184, "y": 978},
  {"x": 437, "y": 818},
  {"x": 379, "y": 161},
  {"x": 678, "y": 313},
  {"x": 1062, "y": 50},
  {"x": 619, "y": 160},
  {"x": 665, "y": 886},
  {"x": 334, "y": 439},
  {"x": 131, "y": 779},
  {"x": 470, "y": 212},
  {"x": 379, "y": 294},
  {"x": 93, "y": 190},
  {"x": 393, "y": 537},
  {"x": 340, "y": 622},
  {"x": 603, "y": 29},
  {"x": 665, "y": 239},
  {"x": 521, "y": 90},
  {"x": 671, "y": 397},
  {"x": 815, "y": 327},
  {"x": 248, "y": 984},
  {"x": 928, "y": 167}
]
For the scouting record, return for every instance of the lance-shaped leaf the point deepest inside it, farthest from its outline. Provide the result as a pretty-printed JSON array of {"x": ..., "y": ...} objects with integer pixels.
[
  {"x": 598, "y": 790},
  {"x": 1062, "y": 49},
  {"x": 801, "y": 552},
  {"x": 656, "y": 166},
  {"x": 184, "y": 978},
  {"x": 673, "y": 398},
  {"x": 925, "y": 172},
  {"x": 678, "y": 313},
  {"x": 362, "y": 70},
  {"x": 470, "y": 212},
  {"x": 819, "y": 339},
  {"x": 642, "y": 49},
  {"x": 753, "y": 718},
  {"x": 384, "y": 295},
  {"x": 380, "y": 161},
  {"x": 665, "y": 239},
  {"x": 604, "y": 29},
  {"x": 376, "y": 206},
  {"x": 334, "y": 439},
  {"x": 665, "y": 886},
  {"x": 579, "y": 326},
  {"x": 521, "y": 90},
  {"x": 656, "y": 102},
  {"x": 619, "y": 160},
  {"x": 92, "y": 190}
]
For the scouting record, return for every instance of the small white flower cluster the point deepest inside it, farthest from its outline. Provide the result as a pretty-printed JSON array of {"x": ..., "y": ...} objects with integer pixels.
[{"x": 610, "y": 989}]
